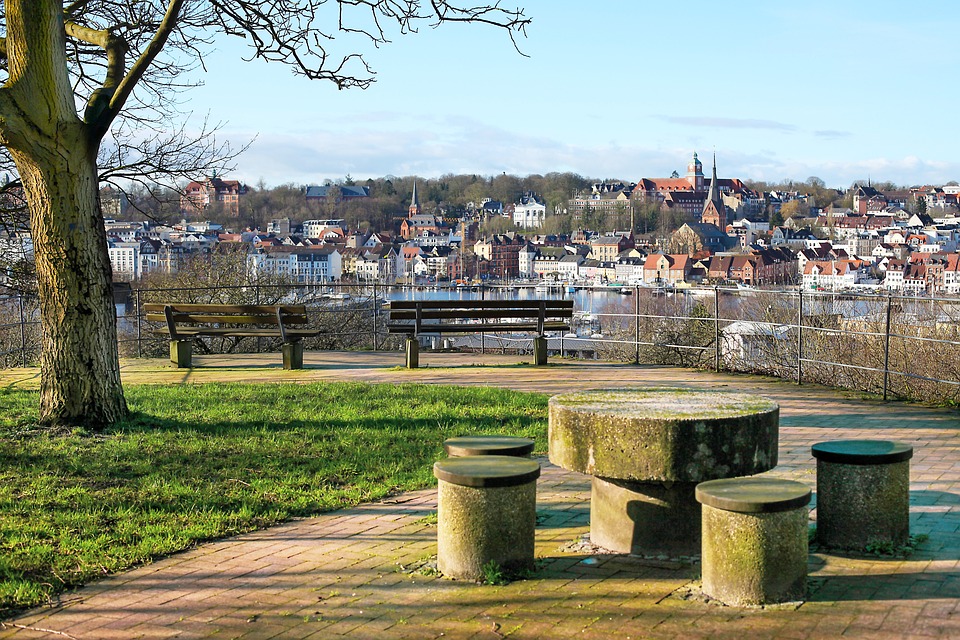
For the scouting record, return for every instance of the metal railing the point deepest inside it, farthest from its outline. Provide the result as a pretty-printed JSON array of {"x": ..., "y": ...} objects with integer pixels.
[{"x": 891, "y": 345}]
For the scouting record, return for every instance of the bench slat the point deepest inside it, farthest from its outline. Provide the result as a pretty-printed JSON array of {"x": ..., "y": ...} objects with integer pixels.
[
  {"x": 227, "y": 319},
  {"x": 157, "y": 307},
  {"x": 479, "y": 314},
  {"x": 225, "y": 332},
  {"x": 476, "y": 328},
  {"x": 551, "y": 303}
]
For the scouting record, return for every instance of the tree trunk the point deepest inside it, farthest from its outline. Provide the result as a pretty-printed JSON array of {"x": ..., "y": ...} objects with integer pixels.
[
  {"x": 55, "y": 153},
  {"x": 80, "y": 374}
]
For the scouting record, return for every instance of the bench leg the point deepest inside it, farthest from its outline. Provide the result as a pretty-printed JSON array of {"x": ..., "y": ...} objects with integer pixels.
[
  {"x": 413, "y": 353},
  {"x": 293, "y": 355},
  {"x": 181, "y": 353},
  {"x": 540, "y": 351}
]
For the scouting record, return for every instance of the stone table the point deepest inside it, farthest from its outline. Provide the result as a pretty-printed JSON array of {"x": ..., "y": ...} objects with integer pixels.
[{"x": 648, "y": 448}]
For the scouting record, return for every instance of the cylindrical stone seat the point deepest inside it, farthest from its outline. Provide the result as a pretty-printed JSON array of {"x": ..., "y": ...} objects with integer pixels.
[
  {"x": 647, "y": 450},
  {"x": 754, "y": 540},
  {"x": 863, "y": 493},
  {"x": 488, "y": 446},
  {"x": 486, "y": 511}
]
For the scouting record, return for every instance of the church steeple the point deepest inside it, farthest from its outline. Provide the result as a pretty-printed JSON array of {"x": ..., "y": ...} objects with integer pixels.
[
  {"x": 414, "y": 202},
  {"x": 714, "y": 194},
  {"x": 714, "y": 211}
]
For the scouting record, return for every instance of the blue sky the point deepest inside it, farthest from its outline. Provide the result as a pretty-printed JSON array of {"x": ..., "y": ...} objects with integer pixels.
[{"x": 622, "y": 89}]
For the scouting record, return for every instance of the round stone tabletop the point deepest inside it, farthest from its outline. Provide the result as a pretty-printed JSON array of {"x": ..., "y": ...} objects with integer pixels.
[{"x": 663, "y": 434}]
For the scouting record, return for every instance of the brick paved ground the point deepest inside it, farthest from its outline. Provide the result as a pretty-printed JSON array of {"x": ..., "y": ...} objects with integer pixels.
[{"x": 359, "y": 573}]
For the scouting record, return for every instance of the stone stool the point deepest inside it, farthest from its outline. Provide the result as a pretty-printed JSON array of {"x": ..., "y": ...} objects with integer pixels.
[
  {"x": 486, "y": 511},
  {"x": 863, "y": 493},
  {"x": 648, "y": 448},
  {"x": 754, "y": 540},
  {"x": 488, "y": 446}
]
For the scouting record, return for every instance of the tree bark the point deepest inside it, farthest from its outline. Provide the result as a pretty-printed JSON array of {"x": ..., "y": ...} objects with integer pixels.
[{"x": 55, "y": 153}]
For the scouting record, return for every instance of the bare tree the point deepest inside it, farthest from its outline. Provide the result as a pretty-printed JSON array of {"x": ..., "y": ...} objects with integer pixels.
[{"x": 123, "y": 61}]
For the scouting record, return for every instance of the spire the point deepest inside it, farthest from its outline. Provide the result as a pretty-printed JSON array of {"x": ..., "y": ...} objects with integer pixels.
[
  {"x": 714, "y": 194},
  {"x": 414, "y": 202},
  {"x": 714, "y": 211}
]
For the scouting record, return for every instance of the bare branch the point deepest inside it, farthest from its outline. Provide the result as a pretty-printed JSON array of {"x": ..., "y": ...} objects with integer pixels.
[
  {"x": 123, "y": 90},
  {"x": 74, "y": 8}
]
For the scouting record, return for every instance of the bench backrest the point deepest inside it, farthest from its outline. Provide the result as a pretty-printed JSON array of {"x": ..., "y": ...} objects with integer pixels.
[
  {"x": 225, "y": 314},
  {"x": 421, "y": 314}
]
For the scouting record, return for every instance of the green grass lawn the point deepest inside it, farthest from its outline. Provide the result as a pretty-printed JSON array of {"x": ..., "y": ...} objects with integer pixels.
[{"x": 198, "y": 462}]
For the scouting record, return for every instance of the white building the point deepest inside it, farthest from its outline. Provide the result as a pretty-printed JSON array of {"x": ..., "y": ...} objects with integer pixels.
[
  {"x": 305, "y": 265},
  {"x": 323, "y": 228},
  {"x": 125, "y": 260},
  {"x": 568, "y": 267},
  {"x": 125, "y": 231},
  {"x": 834, "y": 275},
  {"x": 530, "y": 212},
  {"x": 629, "y": 271},
  {"x": 377, "y": 266},
  {"x": 526, "y": 259}
]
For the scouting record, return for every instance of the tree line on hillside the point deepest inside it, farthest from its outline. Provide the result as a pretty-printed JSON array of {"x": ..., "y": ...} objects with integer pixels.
[
  {"x": 390, "y": 198},
  {"x": 452, "y": 194}
]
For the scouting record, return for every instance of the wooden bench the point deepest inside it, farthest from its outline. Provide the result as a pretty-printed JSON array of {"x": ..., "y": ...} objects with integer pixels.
[
  {"x": 416, "y": 317},
  {"x": 186, "y": 322}
]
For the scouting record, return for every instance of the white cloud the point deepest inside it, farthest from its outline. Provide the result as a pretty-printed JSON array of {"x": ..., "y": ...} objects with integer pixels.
[{"x": 372, "y": 148}]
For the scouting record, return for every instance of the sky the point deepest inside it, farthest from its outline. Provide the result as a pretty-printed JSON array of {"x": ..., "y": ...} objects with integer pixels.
[{"x": 617, "y": 89}]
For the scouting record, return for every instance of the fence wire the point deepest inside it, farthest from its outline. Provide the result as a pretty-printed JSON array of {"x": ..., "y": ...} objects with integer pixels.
[{"x": 890, "y": 345}]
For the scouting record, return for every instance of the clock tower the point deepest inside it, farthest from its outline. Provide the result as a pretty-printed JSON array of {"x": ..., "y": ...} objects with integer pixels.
[{"x": 695, "y": 173}]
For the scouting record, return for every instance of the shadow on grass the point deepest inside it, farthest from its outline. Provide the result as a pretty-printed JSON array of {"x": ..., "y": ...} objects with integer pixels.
[{"x": 200, "y": 462}]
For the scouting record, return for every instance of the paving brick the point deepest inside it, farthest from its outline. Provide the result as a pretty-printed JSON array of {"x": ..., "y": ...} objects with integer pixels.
[{"x": 340, "y": 575}]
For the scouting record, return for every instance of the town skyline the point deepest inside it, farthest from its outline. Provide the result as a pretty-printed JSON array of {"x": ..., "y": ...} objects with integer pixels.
[{"x": 779, "y": 92}]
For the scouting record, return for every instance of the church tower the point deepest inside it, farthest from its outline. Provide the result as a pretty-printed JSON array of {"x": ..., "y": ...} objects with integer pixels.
[
  {"x": 695, "y": 173},
  {"x": 714, "y": 211},
  {"x": 414, "y": 202}
]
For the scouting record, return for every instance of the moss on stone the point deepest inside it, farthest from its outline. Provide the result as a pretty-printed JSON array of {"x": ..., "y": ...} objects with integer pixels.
[
  {"x": 478, "y": 526},
  {"x": 663, "y": 434},
  {"x": 862, "y": 504},
  {"x": 755, "y": 558}
]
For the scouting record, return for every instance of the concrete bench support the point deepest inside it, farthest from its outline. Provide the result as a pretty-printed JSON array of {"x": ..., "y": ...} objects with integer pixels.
[
  {"x": 292, "y": 355},
  {"x": 488, "y": 446},
  {"x": 863, "y": 493},
  {"x": 181, "y": 353},
  {"x": 754, "y": 540},
  {"x": 486, "y": 512},
  {"x": 413, "y": 353},
  {"x": 540, "y": 351}
]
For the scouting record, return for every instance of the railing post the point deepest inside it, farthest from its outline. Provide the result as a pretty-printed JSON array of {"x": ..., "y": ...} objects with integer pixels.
[
  {"x": 483, "y": 296},
  {"x": 886, "y": 347},
  {"x": 716, "y": 327},
  {"x": 139, "y": 324},
  {"x": 256, "y": 298},
  {"x": 23, "y": 331},
  {"x": 376, "y": 316},
  {"x": 800, "y": 336},
  {"x": 636, "y": 325}
]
